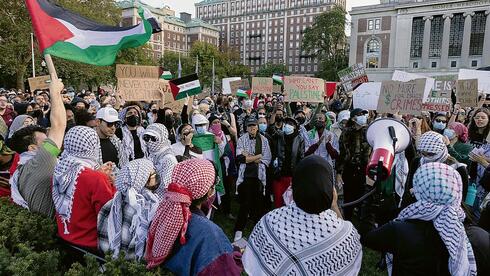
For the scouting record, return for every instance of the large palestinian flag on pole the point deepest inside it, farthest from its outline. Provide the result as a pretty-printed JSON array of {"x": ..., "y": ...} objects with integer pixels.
[
  {"x": 70, "y": 36},
  {"x": 185, "y": 86}
]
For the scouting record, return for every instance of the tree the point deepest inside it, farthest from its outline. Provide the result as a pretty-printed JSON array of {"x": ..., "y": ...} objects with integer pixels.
[
  {"x": 326, "y": 41},
  {"x": 15, "y": 45},
  {"x": 268, "y": 69}
]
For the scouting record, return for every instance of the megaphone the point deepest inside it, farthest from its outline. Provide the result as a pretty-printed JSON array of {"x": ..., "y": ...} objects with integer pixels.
[{"x": 387, "y": 137}]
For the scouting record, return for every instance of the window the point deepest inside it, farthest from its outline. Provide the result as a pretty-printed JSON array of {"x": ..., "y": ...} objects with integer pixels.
[
  {"x": 415, "y": 65},
  {"x": 370, "y": 24},
  {"x": 377, "y": 24},
  {"x": 433, "y": 64},
  {"x": 477, "y": 33},
  {"x": 456, "y": 35},
  {"x": 417, "y": 37},
  {"x": 454, "y": 63},
  {"x": 436, "y": 30},
  {"x": 373, "y": 53},
  {"x": 474, "y": 63}
]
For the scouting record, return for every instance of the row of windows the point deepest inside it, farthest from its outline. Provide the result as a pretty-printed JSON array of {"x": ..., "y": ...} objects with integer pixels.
[{"x": 453, "y": 64}]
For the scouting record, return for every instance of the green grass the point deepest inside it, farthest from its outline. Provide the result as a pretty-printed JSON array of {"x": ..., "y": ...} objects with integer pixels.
[{"x": 369, "y": 257}]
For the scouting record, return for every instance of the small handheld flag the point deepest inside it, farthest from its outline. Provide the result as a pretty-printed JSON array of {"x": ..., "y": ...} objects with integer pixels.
[
  {"x": 166, "y": 75},
  {"x": 245, "y": 93},
  {"x": 67, "y": 35},
  {"x": 278, "y": 79},
  {"x": 185, "y": 86}
]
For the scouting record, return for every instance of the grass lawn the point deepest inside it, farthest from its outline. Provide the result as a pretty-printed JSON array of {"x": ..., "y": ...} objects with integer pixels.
[{"x": 369, "y": 258}]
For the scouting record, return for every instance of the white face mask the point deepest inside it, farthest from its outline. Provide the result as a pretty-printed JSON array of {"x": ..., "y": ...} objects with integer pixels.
[{"x": 361, "y": 120}]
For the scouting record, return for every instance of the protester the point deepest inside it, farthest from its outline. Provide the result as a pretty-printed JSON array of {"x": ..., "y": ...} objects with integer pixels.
[
  {"x": 180, "y": 236},
  {"x": 110, "y": 146},
  {"x": 479, "y": 127},
  {"x": 20, "y": 122},
  {"x": 184, "y": 149},
  {"x": 80, "y": 187},
  {"x": 439, "y": 123},
  {"x": 7, "y": 162},
  {"x": 131, "y": 132},
  {"x": 309, "y": 229},
  {"x": 123, "y": 222},
  {"x": 457, "y": 134},
  {"x": 321, "y": 141},
  {"x": 6, "y": 113}
]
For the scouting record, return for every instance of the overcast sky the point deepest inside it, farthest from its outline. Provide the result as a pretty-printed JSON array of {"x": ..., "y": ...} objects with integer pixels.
[{"x": 188, "y": 5}]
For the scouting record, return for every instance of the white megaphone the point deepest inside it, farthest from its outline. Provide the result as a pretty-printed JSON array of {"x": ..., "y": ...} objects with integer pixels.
[{"x": 387, "y": 137}]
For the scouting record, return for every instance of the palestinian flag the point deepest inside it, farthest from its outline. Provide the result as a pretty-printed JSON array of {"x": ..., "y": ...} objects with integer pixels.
[
  {"x": 166, "y": 75},
  {"x": 241, "y": 92},
  {"x": 70, "y": 36},
  {"x": 278, "y": 79},
  {"x": 185, "y": 86}
]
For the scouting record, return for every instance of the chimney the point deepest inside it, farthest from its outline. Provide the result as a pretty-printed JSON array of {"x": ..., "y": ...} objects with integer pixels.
[{"x": 186, "y": 17}]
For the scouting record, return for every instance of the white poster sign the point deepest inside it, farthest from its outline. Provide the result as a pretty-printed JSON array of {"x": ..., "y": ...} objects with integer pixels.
[
  {"x": 226, "y": 84},
  {"x": 366, "y": 96},
  {"x": 405, "y": 76},
  {"x": 482, "y": 76}
]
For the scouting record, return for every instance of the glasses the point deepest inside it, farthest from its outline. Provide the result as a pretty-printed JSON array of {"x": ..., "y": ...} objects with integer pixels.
[
  {"x": 147, "y": 138},
  {"x": 110, "y": 124},
  {"x": 440, "y": 121},
  {"x": 263, "y": 114}
]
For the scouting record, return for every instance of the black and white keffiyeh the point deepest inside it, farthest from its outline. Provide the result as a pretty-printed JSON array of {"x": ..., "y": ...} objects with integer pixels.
[
  {"x": 289, "y": 241},
  {"x": 13, "y": 181},
  {"x": 162, "y": 155},
  {"x": 81, "y": 150},
  {"x": 438, "y": 189},
  {"x": 127, "y": 140},
  {"x": 130, "y": 184},
  {"x": 432, "y": 142}
]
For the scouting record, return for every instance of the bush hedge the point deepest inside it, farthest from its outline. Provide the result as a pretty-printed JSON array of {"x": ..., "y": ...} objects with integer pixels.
[{"x": 29, "y": 246}]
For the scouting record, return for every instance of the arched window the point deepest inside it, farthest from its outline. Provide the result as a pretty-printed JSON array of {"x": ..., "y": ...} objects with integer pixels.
[{"x": 373, "y": 53}]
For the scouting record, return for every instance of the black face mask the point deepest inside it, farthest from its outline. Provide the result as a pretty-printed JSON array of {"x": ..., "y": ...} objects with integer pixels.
[
  {"x": 279, "y": 119},
  {"x": 319, "y": 125},
  {"x": 154, "y": 111},
  {"x": 301, "y": 120},
  {"x": 169, "y": 121},
  {"x": 70, "y": 124},
  {"x": 132, "y": 120}
]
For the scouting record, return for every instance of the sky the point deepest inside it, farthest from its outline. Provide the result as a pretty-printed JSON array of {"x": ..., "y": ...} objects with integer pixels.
[{"x": 188, "y": 5}]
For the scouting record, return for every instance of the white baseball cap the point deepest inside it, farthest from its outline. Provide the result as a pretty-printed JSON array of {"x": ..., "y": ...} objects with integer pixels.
[{"x": 108, "y": 114}]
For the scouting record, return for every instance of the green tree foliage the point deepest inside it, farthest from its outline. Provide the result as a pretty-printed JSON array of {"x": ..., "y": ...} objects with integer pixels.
[
  {"x": 15, "y": 45},
  {"x": 268, "y": 69},
  {"x": 326, "y": 40}
]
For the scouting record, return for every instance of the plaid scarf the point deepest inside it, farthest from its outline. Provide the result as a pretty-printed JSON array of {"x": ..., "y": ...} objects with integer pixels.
[
  {"x": 82, "y": 149},
  {"x": 438, "y": 189},
  {"x": 191, "y": 180},
  {"x": 130, "y": 184},
  {"x": 432, "y": 142}
]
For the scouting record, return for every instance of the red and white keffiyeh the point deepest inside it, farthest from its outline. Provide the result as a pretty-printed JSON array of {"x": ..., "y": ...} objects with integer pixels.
[{"x": 191, "y": 180}]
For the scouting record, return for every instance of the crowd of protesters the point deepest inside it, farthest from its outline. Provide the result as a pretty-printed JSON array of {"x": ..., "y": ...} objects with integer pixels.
[{"x": 144, "y": 180}]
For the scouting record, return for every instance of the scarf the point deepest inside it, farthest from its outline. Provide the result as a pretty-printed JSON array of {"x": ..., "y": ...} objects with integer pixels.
[
  {"x": 191, "y": 180},
  {"x": 127, "y": 139},
  {"x": 123, "y": 160},
  {"x": 130, "y": 184},
  {"x": 461, "y": 130},
  {"x": 161, "y": 153},
  {"x": 17, "y": 124},
  {"x": 82, "y": 149},
  {"x": 432, "y": 142},
  {"x": 14, "y": 180},
  {"x": 401, "y": 168},
  {"x": 438, "y": 189},
  {"x": 289, "y": 241}
]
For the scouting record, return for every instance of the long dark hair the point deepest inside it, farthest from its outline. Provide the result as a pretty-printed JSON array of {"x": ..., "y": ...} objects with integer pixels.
[{"x": 473, "y": 133}]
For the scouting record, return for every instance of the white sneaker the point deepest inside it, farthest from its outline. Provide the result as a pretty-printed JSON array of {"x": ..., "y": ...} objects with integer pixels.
[{"x": 238, "y": 236}]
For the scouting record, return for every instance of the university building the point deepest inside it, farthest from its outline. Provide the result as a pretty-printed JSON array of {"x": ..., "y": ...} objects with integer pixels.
[
  {"x": 430, "y": 37},
  {"x": 178, "y": 33},
  {"x": 265, "y": 31}
]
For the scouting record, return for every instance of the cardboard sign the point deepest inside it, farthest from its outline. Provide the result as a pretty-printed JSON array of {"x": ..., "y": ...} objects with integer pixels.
[
  {"x": 352, "y": 76},
  {"x": 366, "y": 96},
  {"x": 235, "y": 85},
  {"x": 138, "y": 83},
  {"x": 404, "y": 77},
  {"x": 176, "y": 106},
  {"x": 467, "y": 92},
  {"x": 437, "y": 104},
  {"x": 482, "y": 76},
  {"x": 261, "y": 85},
  {"x": 443, "y": 86},
  {"x": 41, "y": 82},
  {"x": 403, "y": 97},
  {"x": 226, "y": 84},
  {"x": 304, "y": 89}
]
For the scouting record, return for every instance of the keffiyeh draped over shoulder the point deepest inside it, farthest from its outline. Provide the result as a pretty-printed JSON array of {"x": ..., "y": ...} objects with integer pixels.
[
  {"x": 438, "y": 189},
  {"x": 130, "y": 184},
  {"x": 81, "y": 150},
  {"x": 127, "y": 140},
  {"x": 191, "y": 180},
  {"x": 432, "y": 142}
]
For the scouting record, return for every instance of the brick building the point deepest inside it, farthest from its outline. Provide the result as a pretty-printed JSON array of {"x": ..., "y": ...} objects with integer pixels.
[
  {"x": 266, "y": 30},
  {"x": 178, "y": 33},
  {"x": 430, "y": 37}
]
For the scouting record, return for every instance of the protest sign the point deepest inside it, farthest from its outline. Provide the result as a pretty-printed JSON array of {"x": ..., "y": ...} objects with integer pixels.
[
  {"x": 482, "y": 76},
  {"x": 226, "y": 84},
  {"x": 437, "y": 104},
  {"x": 235, "y": 85},
  {"x": 443, "y": 86},
  {"x": 41, "y": 82},
  {"x": 138, "y": 83},
  {"x": 304, "y": 89},
  {"x": 176, "y": 106},
  {"x": 403, "y": 97},
  {"x": 467, "y": 92},
  {"x": 262, "y": 85},
  {"x": 404, "y": 77},
  {"x": 366, "y": 96},
  {"x": 352, "y": 76}
]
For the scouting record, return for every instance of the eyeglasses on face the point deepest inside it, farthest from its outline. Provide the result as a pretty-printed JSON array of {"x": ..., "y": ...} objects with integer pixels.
[
  {"x": 440, "y": 121},
  {"x": 148, "y": 138},
  {"x": 110, "y": 124}
]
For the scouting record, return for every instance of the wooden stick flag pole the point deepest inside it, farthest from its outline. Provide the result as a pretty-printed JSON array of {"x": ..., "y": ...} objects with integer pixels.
[{"x": 51, "y": 69}]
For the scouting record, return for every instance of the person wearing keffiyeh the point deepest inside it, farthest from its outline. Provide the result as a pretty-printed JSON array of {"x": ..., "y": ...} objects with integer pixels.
[
  {"x": 428, "y": 237},
  {"x": 203, "y": 248},
  {"x": 122, "y": 224},
  {"x": 130, "y": 133},
  {"x": 159, "y": 151},
  {"x": 80, "y": 187}
]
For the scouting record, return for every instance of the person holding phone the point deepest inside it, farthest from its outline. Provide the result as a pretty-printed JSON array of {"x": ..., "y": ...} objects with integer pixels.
[{"x": 184, "y": 149}]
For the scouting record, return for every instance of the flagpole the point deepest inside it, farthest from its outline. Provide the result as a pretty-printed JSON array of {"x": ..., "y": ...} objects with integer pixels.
[
  {"x": 179, "y": 69},
  {"x": 32, "y": 52},
  {"x": 51, "y": 69},
  {"x": 197, "y": 64},
  {"x": 212, "y": 83}
]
